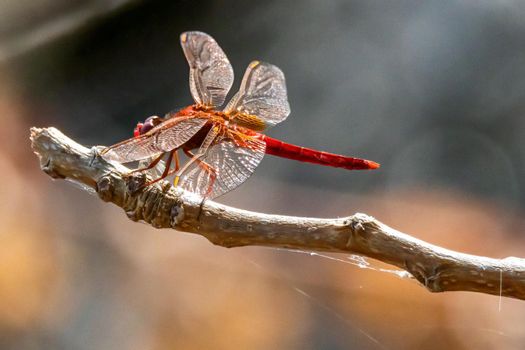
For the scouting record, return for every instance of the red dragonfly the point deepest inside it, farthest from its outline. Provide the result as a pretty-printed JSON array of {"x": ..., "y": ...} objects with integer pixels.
[{"x": 228, "y": 143}]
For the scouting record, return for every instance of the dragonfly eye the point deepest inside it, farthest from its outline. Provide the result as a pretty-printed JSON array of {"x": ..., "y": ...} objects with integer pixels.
[
  {"x": 149, "y": 124},
  {"x": 151, "y": 119}
]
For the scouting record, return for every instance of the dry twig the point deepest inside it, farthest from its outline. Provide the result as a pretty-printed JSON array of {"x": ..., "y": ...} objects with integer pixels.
[{"x": 163, "y": 206}]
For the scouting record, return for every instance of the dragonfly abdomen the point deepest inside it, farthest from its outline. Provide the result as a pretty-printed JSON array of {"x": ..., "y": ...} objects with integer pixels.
[{"x": 287, "y": 150}]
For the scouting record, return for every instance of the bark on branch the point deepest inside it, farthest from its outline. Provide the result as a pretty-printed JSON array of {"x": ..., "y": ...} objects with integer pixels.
[{"x": 163, "y": 206}]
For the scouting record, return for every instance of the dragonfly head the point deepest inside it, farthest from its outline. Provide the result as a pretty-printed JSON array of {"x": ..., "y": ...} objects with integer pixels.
[{"x": 148, "y": 124}]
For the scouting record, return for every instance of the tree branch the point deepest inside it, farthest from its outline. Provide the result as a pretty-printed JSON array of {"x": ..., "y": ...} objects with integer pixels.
[{"x": 164, "y": 206}]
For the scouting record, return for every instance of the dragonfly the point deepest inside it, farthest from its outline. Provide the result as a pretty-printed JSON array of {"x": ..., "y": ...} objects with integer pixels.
[{"x": 225, "y": 146}]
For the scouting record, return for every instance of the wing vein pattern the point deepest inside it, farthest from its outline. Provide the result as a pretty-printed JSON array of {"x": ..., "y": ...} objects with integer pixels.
[
  {"x": 262, "y": 93},
  {"x": 232, "y": 164},
  {"x": 211, "y": 74},
  {"x": 165, "y": 137}
]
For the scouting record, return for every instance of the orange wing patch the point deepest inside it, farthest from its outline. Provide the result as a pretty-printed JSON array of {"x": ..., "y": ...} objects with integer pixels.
[{"x": 249, "y": 121}]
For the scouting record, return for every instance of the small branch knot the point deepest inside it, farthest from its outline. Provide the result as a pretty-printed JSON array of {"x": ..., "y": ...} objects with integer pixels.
[
  {"x": 105, "y": 188},
  {"x": 176, "y": 214},
  {"x": 135, "y": 182},
  {"x": 49, "y": 168}
]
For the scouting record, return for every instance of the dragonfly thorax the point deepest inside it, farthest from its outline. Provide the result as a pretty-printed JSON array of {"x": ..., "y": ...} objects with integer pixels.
[
  {"x": 239, "y": 118},
  {"x": 249, "y": 121}
]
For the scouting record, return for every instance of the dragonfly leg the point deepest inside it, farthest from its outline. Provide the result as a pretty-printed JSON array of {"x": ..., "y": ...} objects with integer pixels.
[
  {"x": 193, "y": 158},
  {"x": 171, "y": 172},
  {"x": 166, "y": 171},
  {"x": 206, "y": 167},
  {"x": 150, "y": 166},
  {"x": 208, "y": 141},
  {"x": 177, "y": 162},
  {"x": 213, "y": 176}
]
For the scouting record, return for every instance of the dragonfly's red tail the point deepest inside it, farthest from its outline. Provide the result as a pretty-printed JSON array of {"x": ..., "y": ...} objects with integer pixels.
[{"x": 303, "y": 154}]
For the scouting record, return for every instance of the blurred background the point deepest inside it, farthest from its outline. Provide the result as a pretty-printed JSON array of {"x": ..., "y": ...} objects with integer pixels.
[{"x": 433, "y": 90}]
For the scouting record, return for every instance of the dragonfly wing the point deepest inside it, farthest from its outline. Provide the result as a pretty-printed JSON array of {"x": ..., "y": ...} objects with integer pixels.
[
  {"x": 164, "y": 137},
  {"x": 136, "y": 148},
  {"x": 173, "y": 136},
  {"x": 232, "y": 165},
  {"x": 262, "y": 93},
  {"x": 211, "y": 74}
]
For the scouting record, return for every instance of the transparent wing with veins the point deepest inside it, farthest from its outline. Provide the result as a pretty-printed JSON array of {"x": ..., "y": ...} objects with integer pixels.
[
  {"x": 225, "y": 166},
  {"x": 164, "y": 137},
  {"x": 262, "y": 93},
  {"x": 211, "y": 74}
]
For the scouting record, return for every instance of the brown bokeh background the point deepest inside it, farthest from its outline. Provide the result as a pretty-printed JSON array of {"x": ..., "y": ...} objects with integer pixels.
[{"x": 433, "y": 91}]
